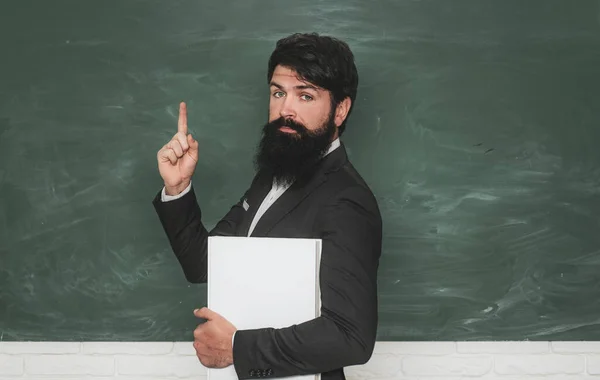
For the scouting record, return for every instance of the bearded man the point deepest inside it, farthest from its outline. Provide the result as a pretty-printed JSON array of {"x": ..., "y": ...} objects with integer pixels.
[{"x": 304, "y": 187}]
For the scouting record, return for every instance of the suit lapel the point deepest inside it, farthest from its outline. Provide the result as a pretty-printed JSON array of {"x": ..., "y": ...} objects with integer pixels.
[
  {"x": 256, "y": 195},
  {"x": 297, "y": 193},
  {"x": 284, "y": 205}
]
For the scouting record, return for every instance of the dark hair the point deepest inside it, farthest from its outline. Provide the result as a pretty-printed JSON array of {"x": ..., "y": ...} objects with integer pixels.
[{"x": 321, "y": 60}]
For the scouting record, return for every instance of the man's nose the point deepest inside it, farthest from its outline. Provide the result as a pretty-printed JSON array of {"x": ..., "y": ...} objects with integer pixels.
[{"x": 287, "y": 109}]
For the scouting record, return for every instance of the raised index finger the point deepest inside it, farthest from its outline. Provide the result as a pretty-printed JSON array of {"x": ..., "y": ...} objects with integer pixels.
[{"x": 182, "y": 123}]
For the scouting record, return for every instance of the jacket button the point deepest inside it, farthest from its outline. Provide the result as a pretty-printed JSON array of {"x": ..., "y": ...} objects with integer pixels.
[
  {"x": 269, "y": 372},
  {"x": 252, "y": 373}
]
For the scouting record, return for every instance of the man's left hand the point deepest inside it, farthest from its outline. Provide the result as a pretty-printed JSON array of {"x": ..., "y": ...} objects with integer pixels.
[{"x": 212, "y": 339}]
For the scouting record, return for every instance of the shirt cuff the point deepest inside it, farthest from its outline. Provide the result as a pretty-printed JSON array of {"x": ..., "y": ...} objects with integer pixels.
[{"x": 165, "y": 198}]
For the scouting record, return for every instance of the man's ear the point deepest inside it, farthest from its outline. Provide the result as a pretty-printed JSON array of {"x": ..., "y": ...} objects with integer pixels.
[{"x": 342, "y": 111}]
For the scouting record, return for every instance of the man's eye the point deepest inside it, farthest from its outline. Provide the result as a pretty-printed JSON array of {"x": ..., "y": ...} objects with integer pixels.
[
  {"x": 306, "y": 97},
  {"x": 278, "y": 94}
]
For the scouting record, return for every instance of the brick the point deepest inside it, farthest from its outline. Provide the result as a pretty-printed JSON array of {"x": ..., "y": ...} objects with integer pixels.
[
  {"x": 69, "y": 365},
  {"x": 380, "y": 365},
  {"x": 539, "y": 364},
  {"x": 575, "y": 347},
  {"x": 184, "y": 348},
  {"x": 56, "y": 377},
  {"x": 133, "y": 348},
  {"x": 176, "y": 366},
  {"x": 593, "y": 364},
  {"x": 503, "y": 347},
  {"x": 40, "y": 347},
  {"x": 447, "y": 365},
  {"x": 127, "y": 377},
  {"x": 490, "y": 376},
  {"x": 11, "y": 365},
  {"x": 76, "y": 377},
  {"x": 416, "y": 348}
]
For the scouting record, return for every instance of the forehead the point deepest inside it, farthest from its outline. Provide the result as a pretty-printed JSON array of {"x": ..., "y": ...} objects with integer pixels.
[{"x": 286, "y": 77}]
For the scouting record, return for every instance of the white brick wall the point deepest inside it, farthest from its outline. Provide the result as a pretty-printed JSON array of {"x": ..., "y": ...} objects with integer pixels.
[{"x": 391, "y": 360}]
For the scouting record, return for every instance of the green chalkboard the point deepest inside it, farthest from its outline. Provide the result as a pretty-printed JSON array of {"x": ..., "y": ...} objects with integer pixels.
[{"x": 477, "y": 125}]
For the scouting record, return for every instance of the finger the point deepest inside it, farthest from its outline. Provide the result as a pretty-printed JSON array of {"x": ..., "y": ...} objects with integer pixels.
[
  {"x": 202, "y": 357},
  {"x": 176, "y": 146},
  {"x": 167, "y": 154},
  {"x": 198, "y": 333},
  {"x": 182, "y": 123},
  {"x": 193, "y": 148},
  {"x": 172, "y": 156},
  {"x": 205, "y": 313},
  {"x": 183, "y": 140},
  {"x": 201, "y": 349},
  {"x": 193, "y": 144}
]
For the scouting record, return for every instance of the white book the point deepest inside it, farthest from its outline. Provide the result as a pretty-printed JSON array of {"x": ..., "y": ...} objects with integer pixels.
[{"x": 257, "y": 282}]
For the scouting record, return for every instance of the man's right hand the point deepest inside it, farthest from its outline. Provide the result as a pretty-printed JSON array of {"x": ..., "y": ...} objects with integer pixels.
[{"x": 177, "y": 159}]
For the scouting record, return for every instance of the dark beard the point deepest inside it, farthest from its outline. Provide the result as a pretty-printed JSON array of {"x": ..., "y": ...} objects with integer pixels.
[{"x": 289, "y": 156}]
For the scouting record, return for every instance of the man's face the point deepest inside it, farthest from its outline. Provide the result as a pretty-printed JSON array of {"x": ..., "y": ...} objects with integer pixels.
[
  {"x": 301, "y": 102},
  {"x": 300, "y": 128}
]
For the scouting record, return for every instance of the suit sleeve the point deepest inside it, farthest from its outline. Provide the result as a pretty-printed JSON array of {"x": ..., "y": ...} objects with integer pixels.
[
  {"x": 345, "y": 333},
  {"x": 182, "y": 222}
]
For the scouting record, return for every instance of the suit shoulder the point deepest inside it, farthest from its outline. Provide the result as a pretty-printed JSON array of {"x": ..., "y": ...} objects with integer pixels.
[
  {"x": 348, "y": 176},
  {"x": 348, "y": 181}
]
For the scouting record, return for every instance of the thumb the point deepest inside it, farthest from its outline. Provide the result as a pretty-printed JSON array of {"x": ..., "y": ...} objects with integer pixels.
[
  {"x": 205, "y": 313},
  {"x": 193, "y": 150}
]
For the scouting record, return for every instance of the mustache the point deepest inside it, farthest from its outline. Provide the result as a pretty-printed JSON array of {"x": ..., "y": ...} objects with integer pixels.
[{"x": 283, "y": 122}]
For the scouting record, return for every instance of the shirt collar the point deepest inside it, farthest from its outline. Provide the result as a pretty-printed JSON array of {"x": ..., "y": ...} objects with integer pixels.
[{"x": 333, "y": 146}]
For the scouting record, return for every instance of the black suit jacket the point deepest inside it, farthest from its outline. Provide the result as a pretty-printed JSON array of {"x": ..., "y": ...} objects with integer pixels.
[{"x": 333, "y": 204}]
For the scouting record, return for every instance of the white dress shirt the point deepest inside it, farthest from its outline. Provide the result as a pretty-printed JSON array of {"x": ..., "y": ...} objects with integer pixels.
[{"x": 272, "y": 196}]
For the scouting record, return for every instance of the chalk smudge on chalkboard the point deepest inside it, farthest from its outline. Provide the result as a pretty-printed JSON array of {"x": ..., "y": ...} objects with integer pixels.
[
  {"x": 563, "y": 328},
  {"x": 85, "y": 43},
  {"x": 443, "y": 207},
  {"x": 529, "y": 240},
  {"x": 512, "y": 222},
  {"x": 123, "y": 169},
  {"x": 592, "y": 258}
]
